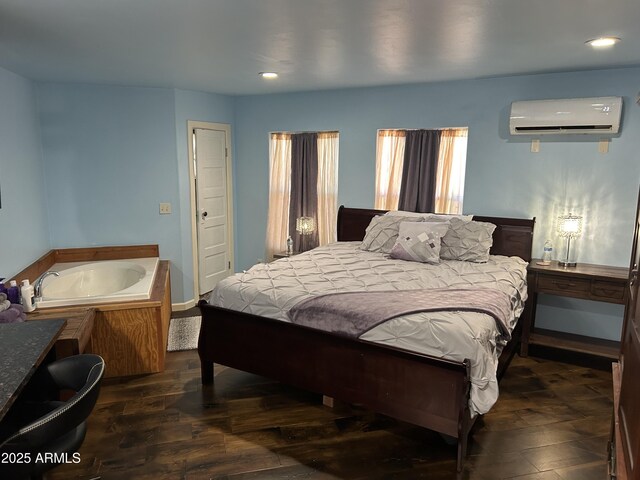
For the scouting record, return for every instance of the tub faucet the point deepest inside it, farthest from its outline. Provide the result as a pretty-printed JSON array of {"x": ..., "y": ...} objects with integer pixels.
[{"x": 37, "y": 285}]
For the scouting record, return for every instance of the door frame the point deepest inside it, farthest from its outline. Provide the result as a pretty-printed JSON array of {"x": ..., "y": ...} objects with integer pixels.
[{"x": 191, "y": 126}]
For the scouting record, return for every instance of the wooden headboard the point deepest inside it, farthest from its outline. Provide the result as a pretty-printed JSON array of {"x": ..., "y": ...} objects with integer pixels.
[{"x": 512, "y": 236}]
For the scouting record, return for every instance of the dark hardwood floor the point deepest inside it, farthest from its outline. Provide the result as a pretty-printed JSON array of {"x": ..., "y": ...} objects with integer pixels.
[{"x": 551, "y": 422}]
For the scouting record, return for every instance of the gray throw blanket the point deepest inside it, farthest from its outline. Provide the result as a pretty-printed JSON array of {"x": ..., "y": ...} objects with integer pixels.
[
  {"x": 13, "y": 314},
  {"x": 353, "y": 313}
]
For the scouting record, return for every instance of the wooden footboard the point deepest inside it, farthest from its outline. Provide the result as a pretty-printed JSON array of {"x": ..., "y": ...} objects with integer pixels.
[{"x": 419, "y": 389}]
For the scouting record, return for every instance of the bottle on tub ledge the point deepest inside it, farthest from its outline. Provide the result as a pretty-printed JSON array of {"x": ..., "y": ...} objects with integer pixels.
[
  {"x": 13, "y": 292},
  {"x": 28, "y": 296}
]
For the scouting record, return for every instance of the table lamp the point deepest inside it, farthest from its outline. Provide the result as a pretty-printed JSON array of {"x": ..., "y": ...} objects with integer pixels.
[
  {"x": 569, "y": 226},
  {"x": 305, "y": 226}
]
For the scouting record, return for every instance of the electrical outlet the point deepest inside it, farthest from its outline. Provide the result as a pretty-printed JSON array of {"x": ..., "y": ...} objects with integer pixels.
[{"x": 165, "y": 208}]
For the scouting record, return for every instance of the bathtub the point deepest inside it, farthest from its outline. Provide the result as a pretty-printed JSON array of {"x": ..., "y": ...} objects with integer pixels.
[{"x": 105, "y": 281}]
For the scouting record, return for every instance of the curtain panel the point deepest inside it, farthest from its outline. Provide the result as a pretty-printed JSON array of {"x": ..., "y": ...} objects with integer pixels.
[
  {"x": 304, "y": 187},
  {"x": 279, "y": 193},
  {"x": 451, "y": 170},
  {"x": 327, "y": 187},
  {"x": 389, "y": 163},
  {"x": 418, "y": 188}
]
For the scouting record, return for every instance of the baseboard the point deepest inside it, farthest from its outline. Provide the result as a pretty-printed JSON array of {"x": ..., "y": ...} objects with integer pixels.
[{"x": 180, "y": 307}]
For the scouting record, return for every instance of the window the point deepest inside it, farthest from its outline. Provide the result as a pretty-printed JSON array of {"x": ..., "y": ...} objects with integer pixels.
[
  {"x": 280, "y": 186},
  {"x": 451, "y": 164}
]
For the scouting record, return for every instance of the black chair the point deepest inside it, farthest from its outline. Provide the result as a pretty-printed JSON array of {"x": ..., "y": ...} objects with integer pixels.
[{"x": 45, "y": 429}]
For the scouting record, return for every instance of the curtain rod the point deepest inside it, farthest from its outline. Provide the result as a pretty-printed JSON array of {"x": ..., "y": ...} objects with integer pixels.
[
  {"x": 314, "y": 131},
  {"x": 416, "y": 129}
]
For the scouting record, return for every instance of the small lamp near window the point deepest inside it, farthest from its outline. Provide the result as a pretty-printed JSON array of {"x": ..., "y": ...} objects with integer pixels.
[
  {"x": 569, "y": 226},
  {"x": 305, "y": 226}
]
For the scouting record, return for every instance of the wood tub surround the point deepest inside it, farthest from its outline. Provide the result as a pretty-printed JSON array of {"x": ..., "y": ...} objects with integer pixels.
[
  {"x": 76, "y": 336},
  {"x": 131, "y": 336}
]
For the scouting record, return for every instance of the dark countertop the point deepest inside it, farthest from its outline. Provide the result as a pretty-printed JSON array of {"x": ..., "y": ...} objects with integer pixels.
[{"x": 23, "y": 346}]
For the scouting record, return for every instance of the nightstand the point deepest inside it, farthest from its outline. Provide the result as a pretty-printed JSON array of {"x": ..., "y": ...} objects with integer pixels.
[
  {"x": 600, "y": 283},
  {"x": 278, "y": 255}
]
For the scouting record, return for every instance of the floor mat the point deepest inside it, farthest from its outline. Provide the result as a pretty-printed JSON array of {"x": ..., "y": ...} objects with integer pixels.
[{"x": 183, "y": 334}]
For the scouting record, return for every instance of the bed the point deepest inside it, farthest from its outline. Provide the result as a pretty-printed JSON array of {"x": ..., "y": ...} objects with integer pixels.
[{"x": 419, "y": 387}]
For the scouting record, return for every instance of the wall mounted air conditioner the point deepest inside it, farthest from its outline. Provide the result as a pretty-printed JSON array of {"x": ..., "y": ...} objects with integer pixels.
[{"x": 598, "y": 115}]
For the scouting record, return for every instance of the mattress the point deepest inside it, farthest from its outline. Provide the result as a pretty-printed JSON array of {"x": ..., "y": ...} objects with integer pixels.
[{"x": 271, "y": 289}]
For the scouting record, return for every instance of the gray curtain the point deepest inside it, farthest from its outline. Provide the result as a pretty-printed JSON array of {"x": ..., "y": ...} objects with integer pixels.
[
  {"x": 418, "y": 187},
  {"x": 304, "y": 187}
]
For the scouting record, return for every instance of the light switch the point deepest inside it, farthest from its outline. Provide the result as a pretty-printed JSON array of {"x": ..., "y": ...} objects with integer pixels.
[{"x": 165, "y": 208}]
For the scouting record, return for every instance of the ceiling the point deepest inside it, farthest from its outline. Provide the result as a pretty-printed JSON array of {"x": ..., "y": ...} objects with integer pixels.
[{"x": 221, "y": 45}]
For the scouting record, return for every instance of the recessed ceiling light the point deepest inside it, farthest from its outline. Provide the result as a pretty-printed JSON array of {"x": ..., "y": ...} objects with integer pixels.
[
  {"x": 268, "y": 75},
  {"x": 603, "y": 42}
]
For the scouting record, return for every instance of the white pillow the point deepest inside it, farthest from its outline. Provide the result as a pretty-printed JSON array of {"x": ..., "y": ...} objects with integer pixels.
[
  {"x": 419, "y": 241},
  {"x": 468, "y": 241}
]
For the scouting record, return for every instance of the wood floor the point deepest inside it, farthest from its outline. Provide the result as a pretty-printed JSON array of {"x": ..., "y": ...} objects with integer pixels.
[{"x": 551, "y": 422}]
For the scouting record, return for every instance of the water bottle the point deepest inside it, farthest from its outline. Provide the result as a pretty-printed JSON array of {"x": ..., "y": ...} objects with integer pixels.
[
  {"x": 289, "y": 245},
  {"x": 547, "y": 253}
]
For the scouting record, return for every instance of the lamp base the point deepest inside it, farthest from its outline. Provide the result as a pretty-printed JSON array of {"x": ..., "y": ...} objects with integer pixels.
[{"x": 567, "y": 264}]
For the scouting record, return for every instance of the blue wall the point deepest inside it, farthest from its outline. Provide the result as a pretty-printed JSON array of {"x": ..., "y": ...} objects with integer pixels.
[
  {"x": 203, "y": 107},
  {"x": 112, "y": 154},
  {"x": 110, "y": 159},
  {"x": 503, "y": 177},
  {"x": 24, "y": 225}
]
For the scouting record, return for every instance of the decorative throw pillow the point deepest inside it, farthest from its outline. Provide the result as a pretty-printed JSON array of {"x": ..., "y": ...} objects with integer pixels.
[
  {"x": 419, "y": 241},
  {"x": 382, "y": 232},
  {"x": 467, "y": 241}
]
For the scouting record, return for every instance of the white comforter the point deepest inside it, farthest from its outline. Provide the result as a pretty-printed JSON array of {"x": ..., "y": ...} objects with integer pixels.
[{"x": 271, "y": 289}]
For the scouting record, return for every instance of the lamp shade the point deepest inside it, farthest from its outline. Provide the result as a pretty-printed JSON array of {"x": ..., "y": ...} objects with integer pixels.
[
  {"x": 570, "y": 226},
  {"x": 305, "y": 225}
]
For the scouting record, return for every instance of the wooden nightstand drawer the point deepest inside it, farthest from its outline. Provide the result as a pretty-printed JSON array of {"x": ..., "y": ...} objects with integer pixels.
[
  {"x": 559, "y": 283},
  {"x": 607, "y": 290}
]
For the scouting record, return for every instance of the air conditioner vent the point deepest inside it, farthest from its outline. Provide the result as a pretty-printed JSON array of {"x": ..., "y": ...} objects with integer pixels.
[
  {"x": 556, "y": 128},
  {"x": 598, "y": 115}
]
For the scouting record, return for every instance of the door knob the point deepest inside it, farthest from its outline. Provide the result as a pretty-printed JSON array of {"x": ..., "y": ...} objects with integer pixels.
[{"x": 204, "y": 215}]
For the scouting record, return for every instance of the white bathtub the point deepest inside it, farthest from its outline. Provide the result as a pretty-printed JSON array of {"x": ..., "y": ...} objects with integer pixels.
[{"x": 98, "y": 282}]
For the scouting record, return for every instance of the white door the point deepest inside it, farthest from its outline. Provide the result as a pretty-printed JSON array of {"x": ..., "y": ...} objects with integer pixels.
[{"x": 212, "y": 208}]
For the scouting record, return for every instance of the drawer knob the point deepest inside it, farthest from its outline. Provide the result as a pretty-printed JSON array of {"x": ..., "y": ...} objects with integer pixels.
[{"x": 564, "y": 285}]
